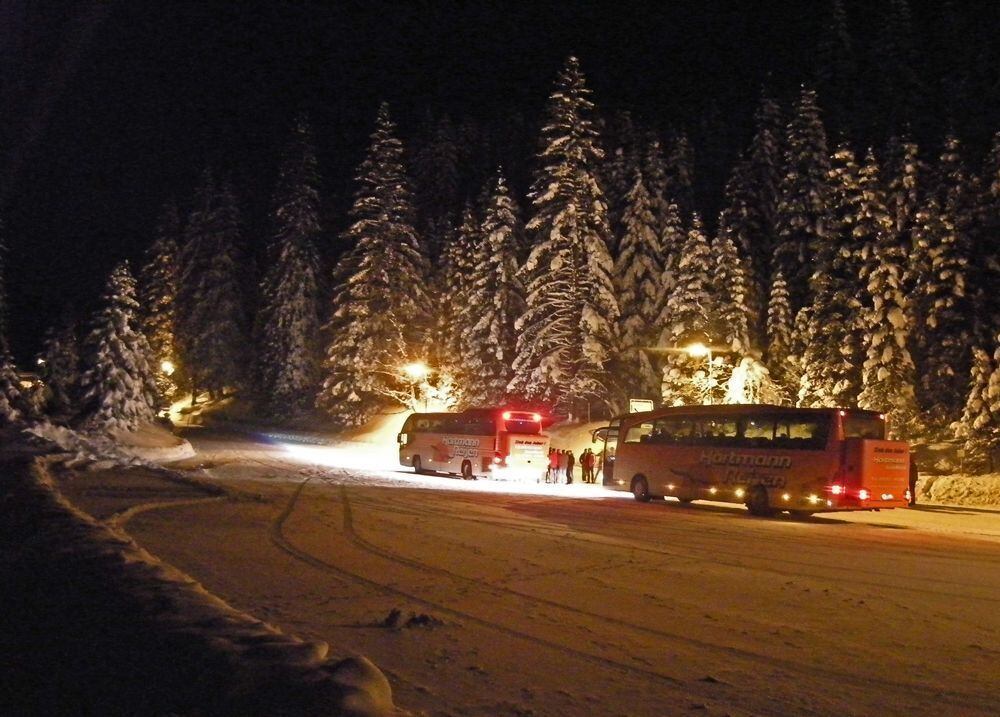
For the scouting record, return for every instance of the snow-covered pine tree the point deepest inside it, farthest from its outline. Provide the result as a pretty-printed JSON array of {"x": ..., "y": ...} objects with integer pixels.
[
  {"x": 622, "y": 160},
  {"x": 158, "y": 286},
  {"x": 988, "y": 251},
  {"x": 288, "y": 323},
  {"x": 738, "y": 222},
  {"x": 60, "y": 367},
  {"x": 498, "y": 297},
  {"x": 688, "y": 319},
  {"x": 831, "y": 358},
  {"x": 836, "y": 68},
  {"x": 436, "y": 183},
  {"x": 803, "y": 198},
  {"x": 780, "y": 358},
  {"x": 979, "y": 426},
  {"x": 380, "y": 310},
  {"x": 680, "y": 174},
  {"x": 732, "y": 316},
  {"x": 944, "y": 314},
  {"x": 888, "y": 373},
  {"x": 638, "y": 280},
  {"x": 118, "y": 385},
  {"x": 655, "y": 175},
  {"x": 900, "y": 89},
  {"x": 12, "y": 402},
  {"x": 211, "y": 323},
  {"x": 903, "y": 175},
  {"x": 567, "y": 334}
]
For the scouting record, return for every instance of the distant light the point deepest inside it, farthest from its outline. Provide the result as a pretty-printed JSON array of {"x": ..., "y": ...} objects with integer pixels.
[
  {"x": 670, "y": 486},
  {"x": 836, "y": 489},
  {"x": 713, "y": 490},
  {"x": 786, "y": 497},
  {"x": 506, "y": 415},
  {"x": 167, "y": 367},
  {"x": 863, "y": 494},
  {"x": 739, "y": 492},
  {"x": 696, "y": 349},
  {"x": 40, "y": 361},
  {"x": 814, "y": 499},
  {"x": 416, "y": 370}
]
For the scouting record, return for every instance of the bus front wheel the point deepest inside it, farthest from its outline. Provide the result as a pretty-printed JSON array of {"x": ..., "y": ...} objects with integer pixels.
[
  {"x": 758, "y": 503},
  {"x": 467, "y": 470},
  {"x": 640, "y": 489},
  {"x": 417, "y": 468}
]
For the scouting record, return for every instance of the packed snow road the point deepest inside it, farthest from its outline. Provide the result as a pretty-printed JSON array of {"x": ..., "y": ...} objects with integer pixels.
[{"x": 482, "y": 598}]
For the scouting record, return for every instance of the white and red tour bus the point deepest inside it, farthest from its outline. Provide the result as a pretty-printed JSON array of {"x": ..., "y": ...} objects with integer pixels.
[
  {"x": 772, "y": 458},
  {"x": 497, "y": 442}
]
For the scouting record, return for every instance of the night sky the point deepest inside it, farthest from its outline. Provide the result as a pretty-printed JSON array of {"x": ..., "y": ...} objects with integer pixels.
[{"x": 111, "y": 108}]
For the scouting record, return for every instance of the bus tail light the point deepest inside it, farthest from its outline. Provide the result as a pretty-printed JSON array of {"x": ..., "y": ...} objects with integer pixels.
[
  {"x": 506, "y": 415},
  {"x": 863, "y": 494},
  {"x": 536, "y": 417},
  {"x": 837, "y": 489},
  {"x": 498, "y": 459}
]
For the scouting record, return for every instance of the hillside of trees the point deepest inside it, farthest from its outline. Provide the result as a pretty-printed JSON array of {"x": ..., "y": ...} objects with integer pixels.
[{"x": 847, "y": 261}]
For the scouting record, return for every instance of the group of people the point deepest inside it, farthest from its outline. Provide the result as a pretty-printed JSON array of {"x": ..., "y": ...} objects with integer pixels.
[{"x": 562, "y": 462}]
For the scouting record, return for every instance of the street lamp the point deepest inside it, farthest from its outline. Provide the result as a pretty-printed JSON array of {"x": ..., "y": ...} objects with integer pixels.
[
  {"x": 416, "y": 371},
  {"x": 697, "y": 350}
]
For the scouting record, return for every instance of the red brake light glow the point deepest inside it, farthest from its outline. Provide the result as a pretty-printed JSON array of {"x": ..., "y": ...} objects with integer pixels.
[{"x": 536, "y": 417}]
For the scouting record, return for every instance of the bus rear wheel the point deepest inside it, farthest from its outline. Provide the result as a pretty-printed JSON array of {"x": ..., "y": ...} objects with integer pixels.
[
  {"x": 758, "y": 503},
  {"x": 640, "y": 489},
  {"x": 467, "y": 470}
]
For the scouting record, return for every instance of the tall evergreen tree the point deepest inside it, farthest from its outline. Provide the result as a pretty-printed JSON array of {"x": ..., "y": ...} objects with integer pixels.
[
  {"x": 731, "y": 287},
  {"x": 680, "y": 174},
  {"x": 380, "y": 307},
  {"x": 943, "y": 310},
  {"x": 158, "y": 286},
  {"x": 687, "y": 319},
  {"x": 60, "y": 366},
  {"x": 780, "y": 356},
  {"x": 979, "y": 426},
  {"x": 11, "y": 400},
  {"x": 989, "y": 231},
  {"x": 436, "y": 183},
  {"x": 888, "y": 373},
  {"x": 832, "y": 354},
  {"x": 211, "y": 319},
  {"x": 899, "y": 87},
  {"x": 903, "y": 176},
  {"x": 567, "y": 334},
  {"x": 288, "y": 350},
  {"x": 118, "y": 384},
  {"x": 622, "y": 160},
  {"x": 803, "y": 198},
  {"x": 498, "y": 297},
  {"x": 638, "y": 277},
  {"x": 836, "y": 68}
]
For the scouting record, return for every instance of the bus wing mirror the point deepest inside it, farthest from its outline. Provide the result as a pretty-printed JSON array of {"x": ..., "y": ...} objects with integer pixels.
[
  {"x": 600, "y": 434},
  {"x": 401, "y": 439}
]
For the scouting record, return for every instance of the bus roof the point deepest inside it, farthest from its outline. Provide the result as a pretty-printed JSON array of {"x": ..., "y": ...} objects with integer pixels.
[{"x": 741, "y": 409}]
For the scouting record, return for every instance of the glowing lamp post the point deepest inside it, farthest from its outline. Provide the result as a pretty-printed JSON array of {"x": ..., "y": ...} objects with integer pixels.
[
  {"x": 167, "y": 367},
  {"x": 416, "y": 372},
  {"x": 698, "y": 350}
]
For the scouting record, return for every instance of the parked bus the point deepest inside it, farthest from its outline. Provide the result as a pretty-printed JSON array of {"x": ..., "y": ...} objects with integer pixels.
[
  {"x": 804, "y": 460},
  {"x": 479, "y": 442}
]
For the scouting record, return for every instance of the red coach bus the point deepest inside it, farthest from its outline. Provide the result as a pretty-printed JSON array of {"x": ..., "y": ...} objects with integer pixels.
[
  {"x": 771, "y": 458},
  {"x": 495, "y": 442}
]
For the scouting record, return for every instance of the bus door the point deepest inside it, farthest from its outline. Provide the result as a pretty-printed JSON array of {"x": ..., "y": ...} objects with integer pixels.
[{"x": 606, "y": 458}]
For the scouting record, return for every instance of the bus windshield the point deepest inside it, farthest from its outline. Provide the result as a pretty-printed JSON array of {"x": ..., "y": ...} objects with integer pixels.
[{"x": 862, "y": 426}]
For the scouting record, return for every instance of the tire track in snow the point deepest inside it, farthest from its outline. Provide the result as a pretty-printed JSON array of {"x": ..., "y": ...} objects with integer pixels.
[{"x": 833, "y": 676}]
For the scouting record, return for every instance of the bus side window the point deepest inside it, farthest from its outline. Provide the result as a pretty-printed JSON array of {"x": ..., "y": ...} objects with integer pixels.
[{"x": 638, "y": 432}]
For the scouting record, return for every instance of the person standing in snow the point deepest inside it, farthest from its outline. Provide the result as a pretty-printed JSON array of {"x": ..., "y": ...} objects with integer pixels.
[
  {"x": 569, "y": 467},
  {"x": 588, "y": 463},
  {"x": 551, "y": 476},
  {"x": 560, "y": 467}
]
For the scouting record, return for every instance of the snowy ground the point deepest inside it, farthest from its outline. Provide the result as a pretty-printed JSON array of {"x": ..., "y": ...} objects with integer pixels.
[{"x": 487, "y": 598}]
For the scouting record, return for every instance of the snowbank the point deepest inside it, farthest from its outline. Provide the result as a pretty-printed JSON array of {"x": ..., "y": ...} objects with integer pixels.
[
  {"x": 150, "y": 442},
  {"x": 256, "y": 669},
  {"x": 960, "y": 489}
]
